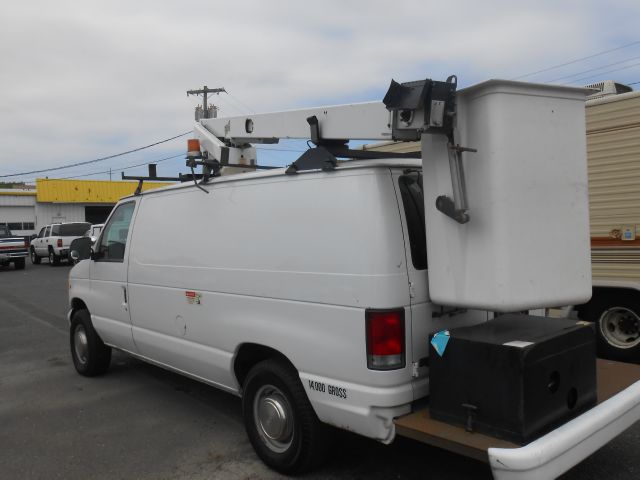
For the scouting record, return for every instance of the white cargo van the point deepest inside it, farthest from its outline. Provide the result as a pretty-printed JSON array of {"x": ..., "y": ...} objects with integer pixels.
[
  {"x": 305, "y": 291},
  {"x": 292, "y": 290}
]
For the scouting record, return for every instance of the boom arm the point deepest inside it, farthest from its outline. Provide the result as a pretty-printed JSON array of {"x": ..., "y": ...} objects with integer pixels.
[
  {"x": 361, "y": 121},
  {"x": 407, "y": 111}
]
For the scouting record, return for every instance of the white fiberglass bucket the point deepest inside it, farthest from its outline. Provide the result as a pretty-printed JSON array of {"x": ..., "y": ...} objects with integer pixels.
[{"x": 527, "y": 242}]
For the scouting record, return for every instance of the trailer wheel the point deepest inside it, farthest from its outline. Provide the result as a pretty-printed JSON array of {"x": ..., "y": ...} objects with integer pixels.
[
  {"x": 280, "y": 422},
  {"x": 90, "y": 355},
  {"x": 617, "y": 318}
]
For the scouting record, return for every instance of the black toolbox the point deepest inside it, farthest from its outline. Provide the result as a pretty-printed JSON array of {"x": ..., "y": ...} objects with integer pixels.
[{"x": 515, "y": 377}]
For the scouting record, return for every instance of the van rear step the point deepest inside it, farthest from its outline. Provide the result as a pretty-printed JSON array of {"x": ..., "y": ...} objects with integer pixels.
[{"x": 612, "y": 378}]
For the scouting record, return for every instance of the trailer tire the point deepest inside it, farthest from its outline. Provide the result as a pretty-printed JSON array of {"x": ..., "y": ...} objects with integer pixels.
[
  {"x": 617, "y": 324},
  {"x": 90, "y": 355},
  {"x": 279, "y": 419}
]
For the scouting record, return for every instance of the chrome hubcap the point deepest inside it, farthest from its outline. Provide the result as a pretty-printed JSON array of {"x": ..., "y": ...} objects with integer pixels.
[
  {"x": 80, "y": 344},
  {"x": 274, "y": 418},
  {"x": 620, "y": 327}
]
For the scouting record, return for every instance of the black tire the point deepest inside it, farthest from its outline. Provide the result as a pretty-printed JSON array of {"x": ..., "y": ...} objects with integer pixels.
[
  {"x": 90, "y": 355},
  {"x": 18, "y": 263},
  {"x": 35, "y": 259},
  {"x": 53, "y": 258},
  {"x": 295, "y": 446},
  {"x": 617, "y": 324}
]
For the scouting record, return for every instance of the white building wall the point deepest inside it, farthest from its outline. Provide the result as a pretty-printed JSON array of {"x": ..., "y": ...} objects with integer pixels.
[
  {"x": 17, "y": 200},
  {"x": 18, "y": 209},
  {"x": 17, "y": 214},
  {"x": 47, "y": 213}
]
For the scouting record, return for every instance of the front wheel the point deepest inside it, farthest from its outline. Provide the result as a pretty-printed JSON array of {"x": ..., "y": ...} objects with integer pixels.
[
  {"x": 280, "y": 422},
  {"x": 90, "y": 355}
]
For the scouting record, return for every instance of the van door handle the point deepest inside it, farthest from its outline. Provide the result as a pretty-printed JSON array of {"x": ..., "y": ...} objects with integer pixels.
[{"x": 124, "y": 293}]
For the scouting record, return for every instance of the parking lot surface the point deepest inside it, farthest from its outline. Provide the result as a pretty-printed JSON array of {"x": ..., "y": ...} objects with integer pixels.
[{"x": 141, "y": 422}]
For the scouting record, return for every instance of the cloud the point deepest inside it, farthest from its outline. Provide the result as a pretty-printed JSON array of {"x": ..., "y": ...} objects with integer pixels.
[{"x": 81, "y": 80}]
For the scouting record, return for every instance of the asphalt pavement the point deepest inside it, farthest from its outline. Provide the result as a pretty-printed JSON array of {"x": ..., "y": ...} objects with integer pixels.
[{"x": 141, "y": 422}]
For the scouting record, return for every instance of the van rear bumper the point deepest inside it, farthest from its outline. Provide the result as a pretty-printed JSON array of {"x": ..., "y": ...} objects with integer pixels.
[{"x": 564, "y": 447}]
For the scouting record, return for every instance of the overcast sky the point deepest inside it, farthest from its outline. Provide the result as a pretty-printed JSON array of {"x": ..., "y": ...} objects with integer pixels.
[{"x": 82, "y": 80}]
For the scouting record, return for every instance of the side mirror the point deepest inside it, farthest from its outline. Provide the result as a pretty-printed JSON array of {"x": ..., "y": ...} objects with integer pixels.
[
  {"x": 80, "y": 249},
  {"x": 93, "y": 239}
]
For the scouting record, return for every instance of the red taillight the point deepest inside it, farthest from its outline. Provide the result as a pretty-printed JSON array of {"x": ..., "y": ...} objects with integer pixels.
[
  {"x": 59, "y": 242},
  {"x": 385, "y": 339}
]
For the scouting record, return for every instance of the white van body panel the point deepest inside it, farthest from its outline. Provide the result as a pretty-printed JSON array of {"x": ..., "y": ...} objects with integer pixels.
[{"x": 289, "y": 262}]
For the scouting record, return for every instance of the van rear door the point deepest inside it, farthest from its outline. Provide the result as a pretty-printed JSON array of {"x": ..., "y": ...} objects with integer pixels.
[
  {"x": 425, "y": 317},
  {"x": 408, "y": 186}
]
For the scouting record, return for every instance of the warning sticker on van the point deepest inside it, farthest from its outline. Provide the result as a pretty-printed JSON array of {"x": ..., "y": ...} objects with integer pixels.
[{"x": 193, "y": 298}]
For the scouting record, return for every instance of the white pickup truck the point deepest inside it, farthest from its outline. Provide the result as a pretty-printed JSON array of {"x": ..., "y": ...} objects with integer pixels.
[
  {"x": 12, "y": 249},
  {"x": 54, "y": 240}
]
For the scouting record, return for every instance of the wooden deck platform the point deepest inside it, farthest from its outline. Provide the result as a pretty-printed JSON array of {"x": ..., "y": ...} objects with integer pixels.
[{"x": 612, "y": 377}]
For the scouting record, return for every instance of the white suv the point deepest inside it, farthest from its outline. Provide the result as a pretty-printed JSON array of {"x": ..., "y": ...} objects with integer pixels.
[{"x": 53, "y": 241}]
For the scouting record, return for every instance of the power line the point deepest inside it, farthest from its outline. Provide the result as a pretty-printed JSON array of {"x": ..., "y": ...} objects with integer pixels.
[
  {"x": 96, "y": 159},
  {"x": 603, "y": 73},
  {"x": 231, "y": 107},
  {"x": 592, "y": 70},
  {"x": 244, "y": 105},
  {"x": 129, "y": 167},
  {"x": 571, "y": 62},
  {"x": 279, "y": 149}
]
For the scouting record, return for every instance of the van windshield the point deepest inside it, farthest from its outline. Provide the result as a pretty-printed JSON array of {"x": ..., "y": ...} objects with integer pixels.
[
  {"x": 70, "y": 229},
  {"x": 413, "y": 201}
]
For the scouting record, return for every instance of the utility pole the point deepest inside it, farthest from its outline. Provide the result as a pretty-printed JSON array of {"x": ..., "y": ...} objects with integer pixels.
[{"x": 204, "y": 92}]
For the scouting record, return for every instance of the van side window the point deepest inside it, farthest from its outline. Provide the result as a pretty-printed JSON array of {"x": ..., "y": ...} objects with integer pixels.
[
  {"x": 114, "y": 238},
  {"x": 413, "y": 201}
]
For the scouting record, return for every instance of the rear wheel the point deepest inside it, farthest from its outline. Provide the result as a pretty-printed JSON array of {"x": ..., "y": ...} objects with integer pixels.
[
  {"x": 280, "y": 422},
  {"x": 35, "y": 259},
  {"x": 18, "y": 263},
  {"x": 90, "y": 355},
  {"x": 53, "y": 258},
  {"x": 617, "y": 318}
]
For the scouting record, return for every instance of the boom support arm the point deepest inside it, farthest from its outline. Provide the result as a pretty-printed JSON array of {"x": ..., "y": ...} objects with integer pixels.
[
  {"x": 407, "y": 112},
  {"x": 358, "y": 121}
]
